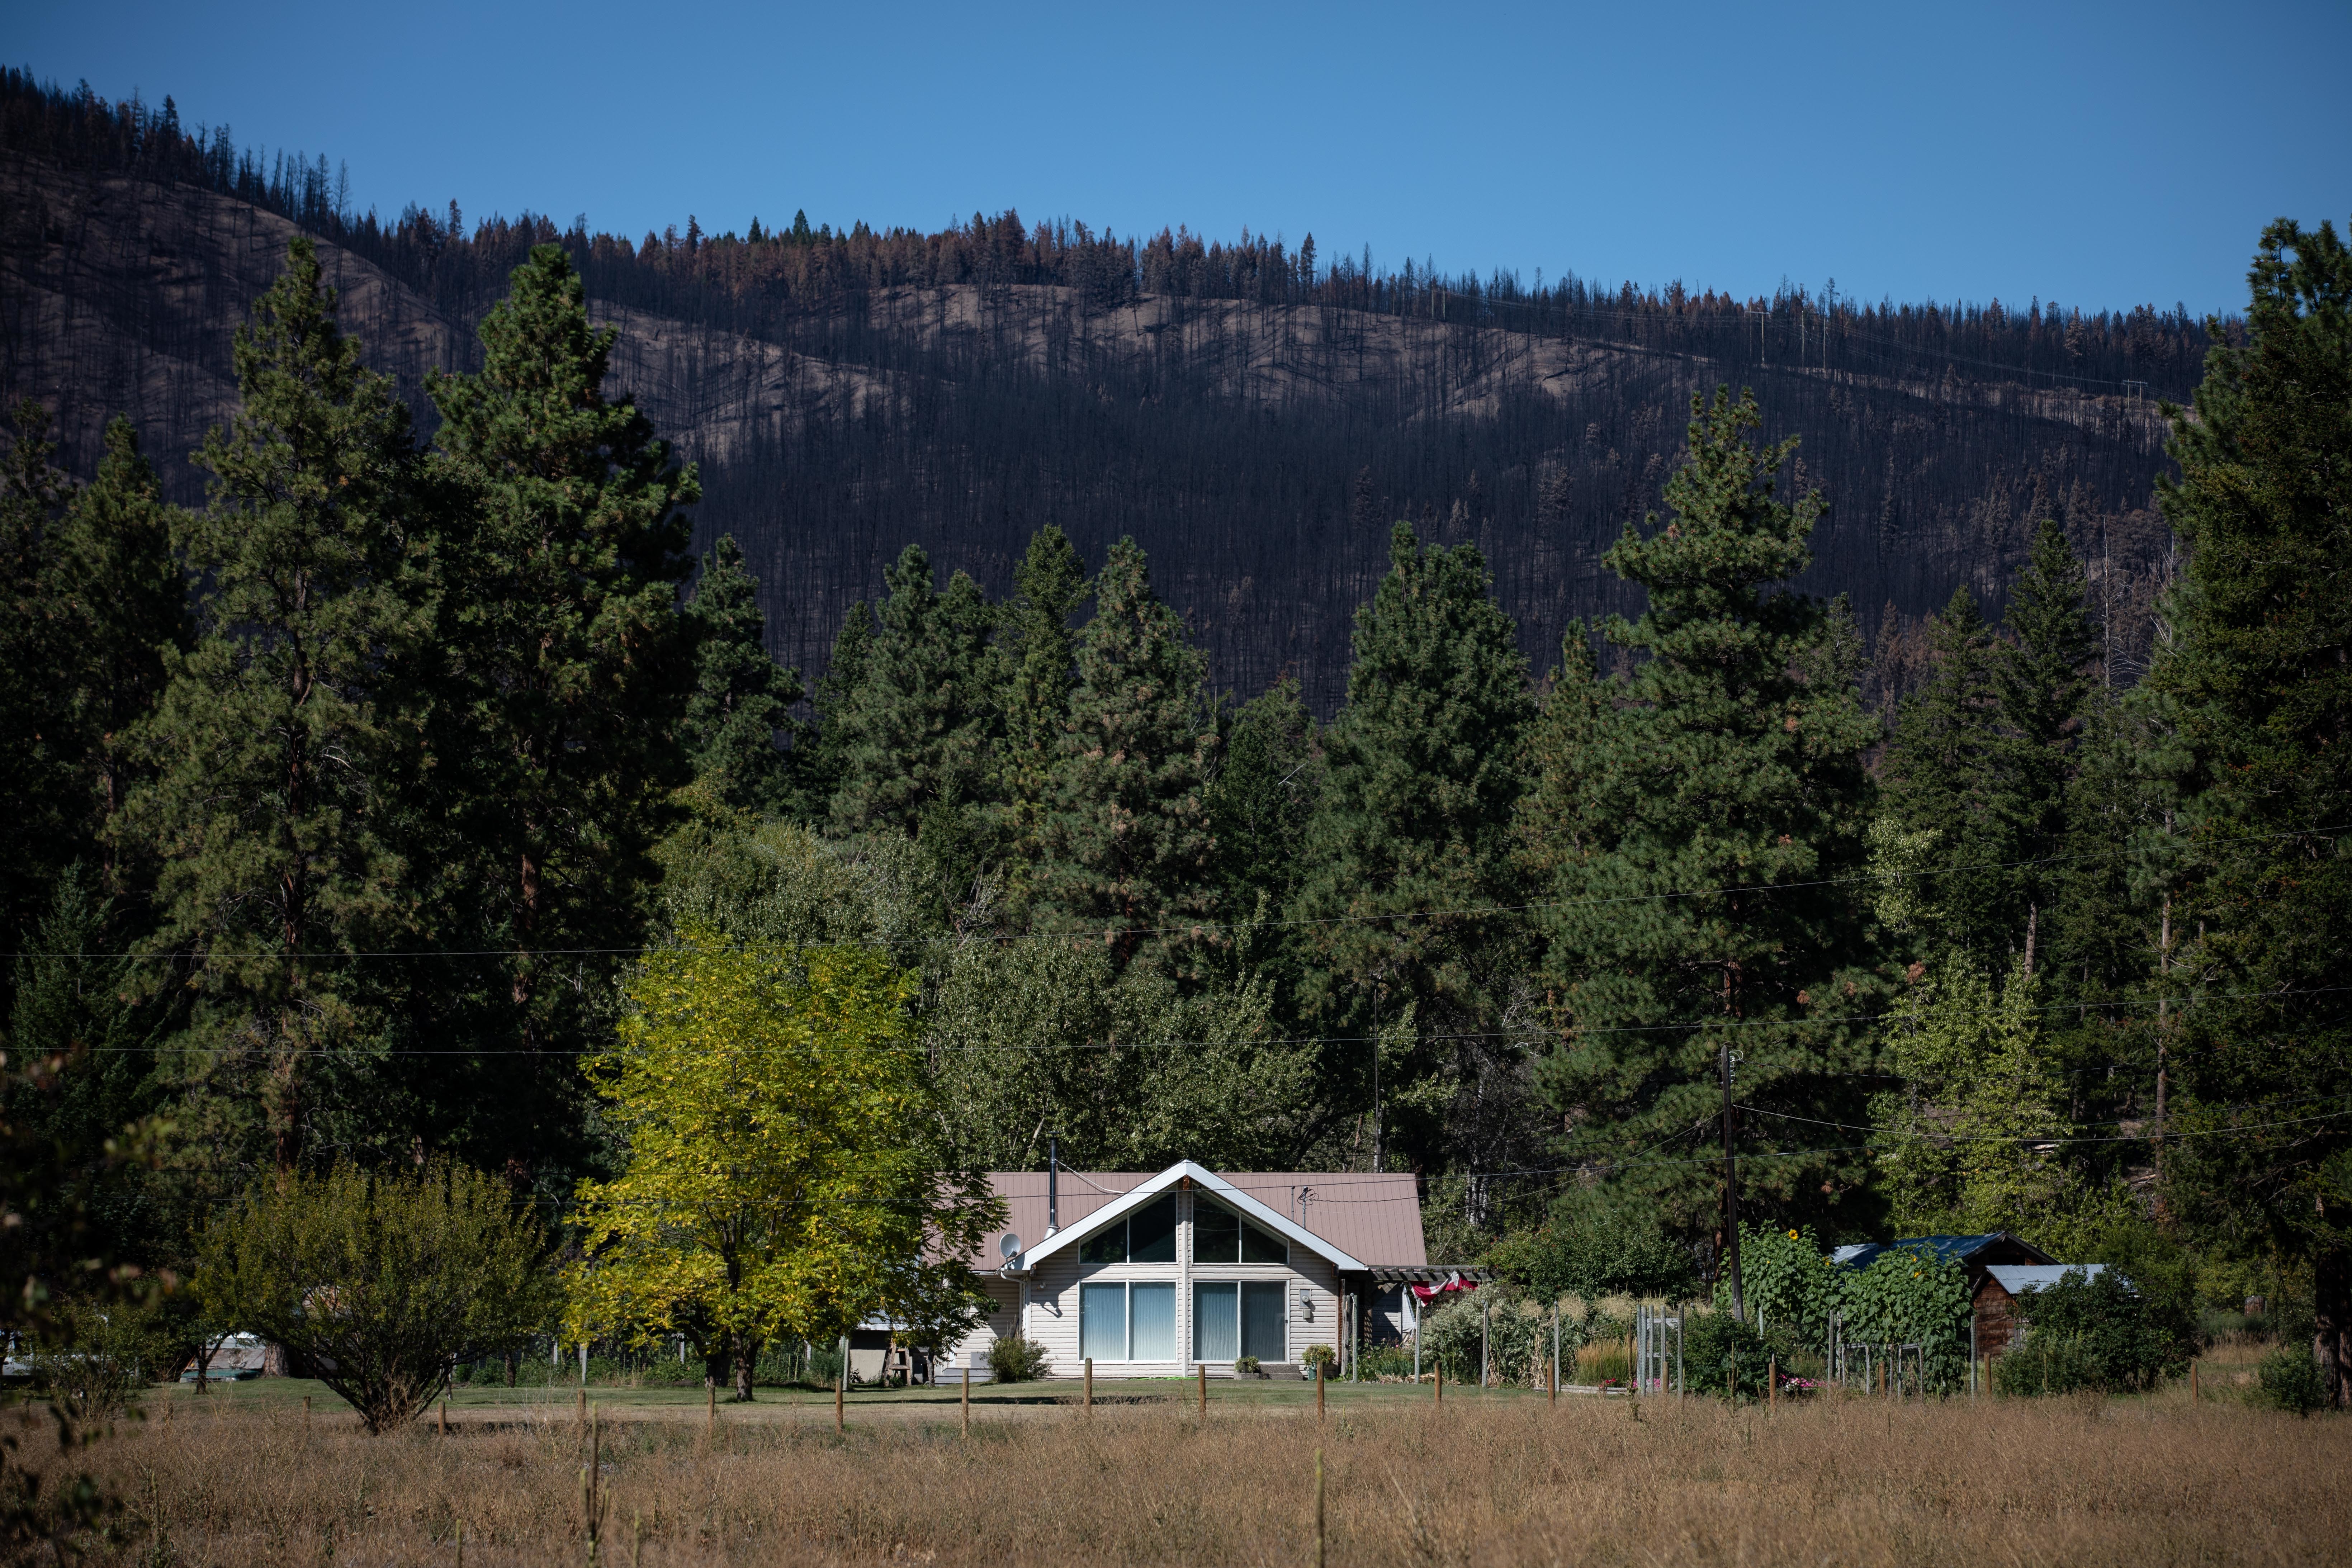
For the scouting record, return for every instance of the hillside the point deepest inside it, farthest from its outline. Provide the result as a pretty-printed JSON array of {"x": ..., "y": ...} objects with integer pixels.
[{"x": 1257, "y": 446}]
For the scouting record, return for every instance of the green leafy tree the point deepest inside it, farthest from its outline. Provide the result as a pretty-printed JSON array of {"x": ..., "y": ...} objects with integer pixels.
[
  {"x": 2261, "y": 669},
  {"x": 567, "y": 673},
  {"x": 273, "y": 756},
  {"x": 781, "y": 1179},
  {"x": 916, "y": 730},
  {"x": 1592, "y": 1249},
  {"x": 1126, "y": 1069},
  {"x": 1964, "y": 1135},
  {"x": 742, "y": 698},
  {"x": 380, "y": 1282},
  {"x": 1127, "y": 840},
  {"x": 2091, "y": 1331},
  {"x": 1411, "y": 874},
  {"x": 1707, "y": 943}
]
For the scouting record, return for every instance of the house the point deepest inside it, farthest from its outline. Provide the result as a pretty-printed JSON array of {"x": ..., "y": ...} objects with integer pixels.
[{"x": 1154, "y": 1274}]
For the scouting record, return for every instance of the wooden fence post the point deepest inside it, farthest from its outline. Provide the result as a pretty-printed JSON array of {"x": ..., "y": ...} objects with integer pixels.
[
  {"x": 1087, "y": 1399},
  {"x": 1204, "y": 1367},
  {"x": 840, "y": 1397},
  {"x": 1441, "y": 1386},
  {"x": 967, "y": 1401},
  {"x": 1319, "y": 1391}
]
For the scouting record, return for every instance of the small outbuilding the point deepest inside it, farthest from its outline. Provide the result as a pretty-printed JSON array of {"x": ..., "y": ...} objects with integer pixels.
[{"x": 2000, "y": 1326}]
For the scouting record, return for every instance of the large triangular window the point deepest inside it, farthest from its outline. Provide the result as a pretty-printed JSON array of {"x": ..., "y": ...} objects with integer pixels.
[{"x": 1221, "y": 1236}]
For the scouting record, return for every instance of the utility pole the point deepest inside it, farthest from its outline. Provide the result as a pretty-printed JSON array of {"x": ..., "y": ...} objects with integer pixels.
[
  {"x": 1730, "y": 1186},
  {"x": 1379, "y": 1145}
]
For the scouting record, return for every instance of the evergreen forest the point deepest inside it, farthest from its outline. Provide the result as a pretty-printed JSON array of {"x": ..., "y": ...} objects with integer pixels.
[{"x": 353, "y": 795}]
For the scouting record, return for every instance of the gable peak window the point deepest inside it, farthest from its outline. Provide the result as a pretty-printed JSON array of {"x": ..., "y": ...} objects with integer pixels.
[
  {"x": 1145, "y": 1235},
  {"x": 1222, "y": 1236}
]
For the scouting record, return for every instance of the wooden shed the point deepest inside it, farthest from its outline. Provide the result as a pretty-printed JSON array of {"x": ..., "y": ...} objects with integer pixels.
[{"x": 2000, "y": 1326}]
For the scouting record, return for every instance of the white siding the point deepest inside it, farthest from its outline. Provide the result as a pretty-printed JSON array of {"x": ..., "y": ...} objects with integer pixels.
[{"x": 1003, "y": 1319}]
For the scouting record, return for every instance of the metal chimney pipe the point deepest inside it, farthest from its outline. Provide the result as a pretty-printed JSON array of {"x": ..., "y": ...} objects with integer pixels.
[{"x": 1052, "y": 1186}]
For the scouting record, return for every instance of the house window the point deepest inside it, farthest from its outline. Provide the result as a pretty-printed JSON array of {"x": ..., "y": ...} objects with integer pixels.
[
  {"x": 1147, "y": 1235},
  {"x": 1127, "y": 1322},
  {"x": 1221, "y": 1236},
  {"x": 1237, "y": 1319}
]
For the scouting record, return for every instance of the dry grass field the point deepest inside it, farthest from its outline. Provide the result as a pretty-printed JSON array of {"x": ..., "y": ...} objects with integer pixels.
[{"x": 238, "y": 1478}]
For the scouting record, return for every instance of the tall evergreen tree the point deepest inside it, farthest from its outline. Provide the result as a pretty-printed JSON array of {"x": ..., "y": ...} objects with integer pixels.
[
  {"x": 1410, "y": 862},
  {"x": 1263, "y": 799},
  {"x": 1940, "y": 786},
  {"x": 1037, "y": 653},
  {"x": 2262, "y": 672},
  {"x": 1708, "y": 933},
  {"x": 742, "y": 697},
  {"x": 1127, "y": 842},
  {"x": 822, "y": 763},
  {"x": 916, "y": 730},
  {"x": 567, "y": 668},
  {"x": 126, "y": 598},
  {"x": 36, "y": 646},
  {"x": 1553, "y": 831},
  {"x": 275, "y": 747},
  {"x": 2041, "y": 680}
]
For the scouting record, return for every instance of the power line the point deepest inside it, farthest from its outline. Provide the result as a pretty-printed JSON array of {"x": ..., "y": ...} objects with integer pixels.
[{"x": 1197, "y": 927}]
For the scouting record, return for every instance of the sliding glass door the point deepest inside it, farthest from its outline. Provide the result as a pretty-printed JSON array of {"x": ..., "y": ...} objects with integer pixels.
[{"x": 1232, "y": 1320}]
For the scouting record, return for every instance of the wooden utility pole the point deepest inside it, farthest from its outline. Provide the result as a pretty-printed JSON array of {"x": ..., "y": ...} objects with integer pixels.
[{"x": 1730, "y": 1180}]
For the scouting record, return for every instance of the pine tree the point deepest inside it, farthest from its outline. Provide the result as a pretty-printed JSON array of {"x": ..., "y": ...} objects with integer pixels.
[
  {"x": 1940, "y": 785},
  {"x": 1553, "y": 832},
  {"x": 1410, "y": 861},
  {"x": 1127, "y": 842},
  {"x": 1710, "y": 921},
  {"x": 126, "y": 598},
  {"x": 1263, "y": 799},
  {"x": 568, "y": 669},
  {"x": 35, "y": 648},
  {"x": 916, "y": 728},
  {"x": 742, "y": 697},
  {"x": 1037, "y": 655},
  {"x": 274, "y": 744},
  {"x": 2042, "y": 681},
  {"x": 822, "y": 764},
  {"x": 2261, "y": 671}
]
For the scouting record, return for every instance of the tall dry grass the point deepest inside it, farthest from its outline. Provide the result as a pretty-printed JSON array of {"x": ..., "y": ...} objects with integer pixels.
[{"x": 1494, "y": 1481}]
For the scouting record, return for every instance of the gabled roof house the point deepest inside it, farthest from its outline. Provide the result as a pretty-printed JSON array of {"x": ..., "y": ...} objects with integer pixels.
[{"x": 1156, "y": 1273}]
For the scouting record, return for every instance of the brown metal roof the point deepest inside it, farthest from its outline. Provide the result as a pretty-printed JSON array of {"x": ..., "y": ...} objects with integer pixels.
[{"x": 1375, "y": 1218}]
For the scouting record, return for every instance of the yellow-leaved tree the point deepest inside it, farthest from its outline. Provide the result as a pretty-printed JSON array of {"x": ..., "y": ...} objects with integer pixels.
[{"x": 783, "y": 1176}]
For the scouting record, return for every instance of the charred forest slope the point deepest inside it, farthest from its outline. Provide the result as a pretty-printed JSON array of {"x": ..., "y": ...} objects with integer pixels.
[{"x": 1254, "y": 419}]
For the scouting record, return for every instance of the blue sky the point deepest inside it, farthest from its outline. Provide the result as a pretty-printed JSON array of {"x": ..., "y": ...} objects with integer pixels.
[{"x": 2099, "y": 155}]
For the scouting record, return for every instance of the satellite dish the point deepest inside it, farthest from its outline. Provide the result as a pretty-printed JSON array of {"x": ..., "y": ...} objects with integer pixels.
[{"x": 1009, "y": 1245}]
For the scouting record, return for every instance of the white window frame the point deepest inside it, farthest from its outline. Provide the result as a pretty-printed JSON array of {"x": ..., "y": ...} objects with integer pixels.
[{"x": 1126, "y": 1289}]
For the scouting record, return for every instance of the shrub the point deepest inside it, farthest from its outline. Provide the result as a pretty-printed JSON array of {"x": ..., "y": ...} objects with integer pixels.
[
  {"x": 2290, "y": 1379},
  {"x": 380, "y": 1282},
  {"x": 1512, "y": 1329},
  {"x": 1589, "y": 1253},
  {"x": 2093, "y": 1330},
  {"x": 1385, "y": 1361},
  {"x": 2048, "y": 1364},
  {"x": 1724, "y": 1355},
  {"x": 1245, "y": 1367},
  {"x": 1016, "y": 1360},
  {"x": 1320, "y": 1355},
  {"x": 97, "y": 1355}
]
